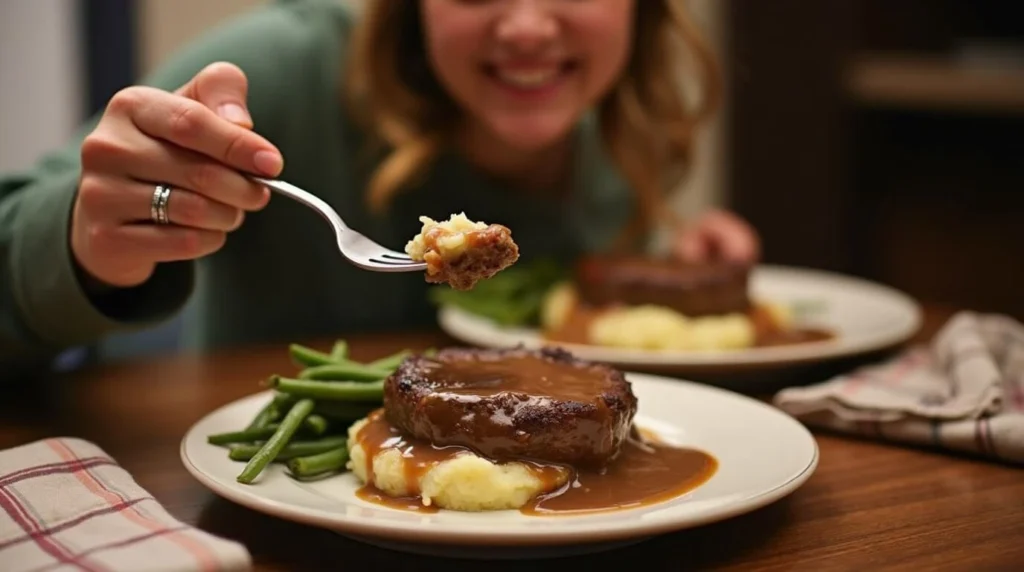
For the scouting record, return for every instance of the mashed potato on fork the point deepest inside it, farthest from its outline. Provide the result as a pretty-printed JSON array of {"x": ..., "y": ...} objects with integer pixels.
[
  {"x": 461, "y": 252},
  {"x": 451, "y": 243}
]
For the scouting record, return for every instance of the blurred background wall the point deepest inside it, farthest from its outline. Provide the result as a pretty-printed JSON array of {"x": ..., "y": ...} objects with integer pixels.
[
  {"x": 165, "y": 26},
  {"x": 884, "y": 139},
  {"x": 41, "y": 78}
]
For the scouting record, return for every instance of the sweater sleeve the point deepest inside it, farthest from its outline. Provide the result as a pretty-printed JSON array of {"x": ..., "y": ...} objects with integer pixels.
[{"x": 43, "y": 305}]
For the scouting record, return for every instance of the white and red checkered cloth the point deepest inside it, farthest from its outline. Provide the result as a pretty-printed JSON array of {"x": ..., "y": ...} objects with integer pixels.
[
  {"x": 965, "y": 392},
  {"x": 66, "y": 505}
]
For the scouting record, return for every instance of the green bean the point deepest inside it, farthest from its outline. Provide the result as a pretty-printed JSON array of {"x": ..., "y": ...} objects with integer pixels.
[
  {"x": 269, "y": 451},
  {"x": 271, "y": 412},
  {"x": 264, "y": 417},
  {"x": 284, "y": 400},
  {"x": 248, "y": 452},
  {"x": 343, "y": 410},
  {"x": 244, "y": 436},
  {"x": 340, "y": 350},
  {"x": 309, "y": 357},
  {"x": 314, "y": 425},
  {"x": 338, "y": 390},
  {"x": 348, "y": 371},
  {"x": 390, "y": 362},
  {"x": 312, "y": 465}
]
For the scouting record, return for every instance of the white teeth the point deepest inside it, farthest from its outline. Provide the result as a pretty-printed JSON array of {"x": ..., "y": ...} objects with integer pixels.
[{"x": 528, "y": 79}]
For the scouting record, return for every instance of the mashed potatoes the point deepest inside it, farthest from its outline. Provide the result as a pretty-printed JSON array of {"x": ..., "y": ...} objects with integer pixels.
[
  {"x": 658, "y": 328},
  {"x": 650, "y": 327},
  {"x": 449, "y": 236},
  {"x": 558, "y": 305},
  {"x": 466, "y": 482}
]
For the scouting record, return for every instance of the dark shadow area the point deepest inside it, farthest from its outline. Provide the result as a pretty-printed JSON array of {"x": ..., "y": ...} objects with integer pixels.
[
  {"x": 31, "y": 397},
  {"x": 30, "y": 409}
]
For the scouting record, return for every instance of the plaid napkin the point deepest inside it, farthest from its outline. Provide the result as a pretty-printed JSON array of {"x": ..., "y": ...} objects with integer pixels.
[
  {"x": 965, "y": 392},
  {"x": 66, "y": 505}
]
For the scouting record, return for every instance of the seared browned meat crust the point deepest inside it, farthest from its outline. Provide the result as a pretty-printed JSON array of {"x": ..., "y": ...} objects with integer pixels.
[
  {"x": 488, "y": 251},
  {"x": 690, "y": 289},
  {"x": 543, "y": 405}
]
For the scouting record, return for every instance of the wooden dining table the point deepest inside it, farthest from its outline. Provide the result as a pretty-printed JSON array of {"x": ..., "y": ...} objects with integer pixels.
[{"x": 869, "y": 505}]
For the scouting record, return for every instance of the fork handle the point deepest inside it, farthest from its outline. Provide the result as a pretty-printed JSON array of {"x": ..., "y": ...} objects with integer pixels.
[{"x": 305, "y": 197}]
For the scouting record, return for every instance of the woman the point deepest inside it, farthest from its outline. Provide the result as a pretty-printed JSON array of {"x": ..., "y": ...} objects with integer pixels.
[{"x": 417, "y": 108}]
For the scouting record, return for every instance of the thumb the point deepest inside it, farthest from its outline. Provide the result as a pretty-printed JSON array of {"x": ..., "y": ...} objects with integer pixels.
[{"x": 223, "y": 88}]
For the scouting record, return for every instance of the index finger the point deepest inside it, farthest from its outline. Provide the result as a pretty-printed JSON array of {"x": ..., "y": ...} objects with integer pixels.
[{"x": 192, "y": 125}]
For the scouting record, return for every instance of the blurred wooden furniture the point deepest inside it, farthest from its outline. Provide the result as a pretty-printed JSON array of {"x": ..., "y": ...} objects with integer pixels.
[
  {"x": 868, "y": 506},
  {"x": 884, "y": 139}
]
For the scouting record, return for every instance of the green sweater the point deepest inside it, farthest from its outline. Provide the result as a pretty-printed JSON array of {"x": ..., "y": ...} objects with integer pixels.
[{"x": 280, "y": 276}]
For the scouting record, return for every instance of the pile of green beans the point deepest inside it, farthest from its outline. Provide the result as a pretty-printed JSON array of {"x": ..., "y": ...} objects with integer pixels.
[{"x": 305, "y": 424}]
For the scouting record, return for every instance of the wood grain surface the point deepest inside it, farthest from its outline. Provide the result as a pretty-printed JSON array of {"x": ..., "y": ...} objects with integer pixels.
[{"x": 868, "y": 506}]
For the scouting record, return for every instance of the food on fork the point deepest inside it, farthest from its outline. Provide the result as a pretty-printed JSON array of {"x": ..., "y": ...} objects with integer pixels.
[{"x": 461, "y": 252}]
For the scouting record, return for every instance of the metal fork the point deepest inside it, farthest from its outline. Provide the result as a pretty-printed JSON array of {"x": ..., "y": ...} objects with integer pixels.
[{"x": 358, "y": 249}]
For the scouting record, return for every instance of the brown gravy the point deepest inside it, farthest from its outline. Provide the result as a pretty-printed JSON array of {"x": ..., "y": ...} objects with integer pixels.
[
  {"x": 514, "y": 404},
  {"x": 645, "y": 472},
  {"x": 766, "y": 332},
  {"x": 642, "y": 474},
  {"x": 535, "y": 378}
]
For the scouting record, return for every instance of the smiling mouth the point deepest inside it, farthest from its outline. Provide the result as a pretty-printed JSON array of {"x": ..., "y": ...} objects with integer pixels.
[{"x": 530, "y": 77}]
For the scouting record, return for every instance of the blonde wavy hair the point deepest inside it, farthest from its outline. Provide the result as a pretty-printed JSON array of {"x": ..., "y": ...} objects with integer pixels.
[{"x": 648, "y": 122}]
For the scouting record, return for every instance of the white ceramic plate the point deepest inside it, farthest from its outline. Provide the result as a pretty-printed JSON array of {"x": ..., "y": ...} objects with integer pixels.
[
  {"x": 865, "y": 316},
  {"x": 763, "y": 455}
]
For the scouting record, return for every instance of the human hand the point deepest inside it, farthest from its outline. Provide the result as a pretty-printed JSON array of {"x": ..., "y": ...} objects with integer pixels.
[
  {"x": 718, "y": 235},
  {"x": 197, "y": 141}
]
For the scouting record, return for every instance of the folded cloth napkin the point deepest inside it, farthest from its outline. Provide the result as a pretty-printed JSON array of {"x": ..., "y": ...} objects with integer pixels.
[
  {"x": 964, "y": 392},
  {"x": 66, "y": 505}
]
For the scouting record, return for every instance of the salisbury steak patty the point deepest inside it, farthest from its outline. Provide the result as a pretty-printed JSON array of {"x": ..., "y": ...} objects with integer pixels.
[
  {"x": 542, "y": 405},
  {"x": 690, "y": 289}
]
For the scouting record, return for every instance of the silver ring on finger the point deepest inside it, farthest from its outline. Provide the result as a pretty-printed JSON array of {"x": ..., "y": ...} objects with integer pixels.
[{"x": 158, "y": 207}]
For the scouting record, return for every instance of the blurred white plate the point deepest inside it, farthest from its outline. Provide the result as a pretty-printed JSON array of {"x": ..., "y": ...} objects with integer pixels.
[
  {"x": 763, "y": 455},
  {"x": 864, "y": 316}
]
